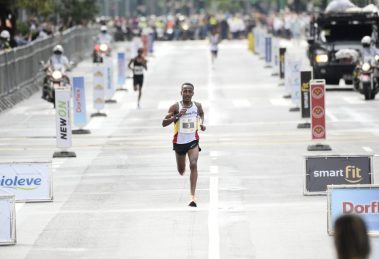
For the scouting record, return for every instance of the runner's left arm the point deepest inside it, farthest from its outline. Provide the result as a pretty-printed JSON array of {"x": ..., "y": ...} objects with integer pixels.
[{"x": 201, "y": 114}]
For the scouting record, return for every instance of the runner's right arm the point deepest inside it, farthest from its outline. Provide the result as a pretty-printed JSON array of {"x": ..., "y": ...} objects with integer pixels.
[
  {"x": 171, "y": 116},
  {"x": 130, "y": 64}
]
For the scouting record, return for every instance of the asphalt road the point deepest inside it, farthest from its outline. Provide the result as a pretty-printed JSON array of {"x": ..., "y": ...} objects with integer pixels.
[{"x": 122, "y": 197}]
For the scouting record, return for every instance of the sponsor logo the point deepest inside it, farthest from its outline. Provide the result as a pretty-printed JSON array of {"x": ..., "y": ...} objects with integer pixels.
[
  {"x": 99, "y": 87},
  {"x": 63, "y": 113},
  {"x": 350, "y": 207},
  {"x": 305, "y": 87},
  {"x": 319, "y": 131},
  {"x": 98, "y": 74},
  {"x": 99, "y": 100},
  {"x": 351, "y": 174},
  {"x": 20, "y": 183},
  {"x": 318, "y": 112},
  {"x": 78, "y": 100},
  {"x": 317, "y": 92}
]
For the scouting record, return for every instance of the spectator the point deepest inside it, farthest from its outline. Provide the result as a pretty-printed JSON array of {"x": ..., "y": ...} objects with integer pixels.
[{"x": 350, "y": 238}]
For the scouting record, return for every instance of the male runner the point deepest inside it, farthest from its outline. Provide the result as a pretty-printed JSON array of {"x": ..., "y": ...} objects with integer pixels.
[
  {"x": 139, "y": 64},
  {"x": 214, "y": 40},
  {"x": 188, "y": 117}
]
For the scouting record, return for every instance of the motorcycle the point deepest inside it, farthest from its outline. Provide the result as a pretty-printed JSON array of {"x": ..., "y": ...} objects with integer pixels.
[
  {"x": 366, "y": 76},
  {"x": 101, "y": 50},
  {"x": 55, "y": 77}
]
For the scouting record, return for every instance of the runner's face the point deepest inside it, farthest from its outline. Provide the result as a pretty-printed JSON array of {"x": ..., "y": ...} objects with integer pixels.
[{"x": 187, "y": 93}]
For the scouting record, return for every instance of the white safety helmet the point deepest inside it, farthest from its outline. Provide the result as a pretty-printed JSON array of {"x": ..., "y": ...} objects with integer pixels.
[
  {"x": 103, "y": 28},
  {"x": 366, "y": 41},
  {"x": 58, "y": 49},
  {"x": 5, "y": 35}
]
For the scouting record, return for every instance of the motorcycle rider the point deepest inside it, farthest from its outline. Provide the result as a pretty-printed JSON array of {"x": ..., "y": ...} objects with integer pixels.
[
  {"x": 103, "y": 37},
  {"x": 369, "y": 50},
  {"x": 57, "y": 61}
]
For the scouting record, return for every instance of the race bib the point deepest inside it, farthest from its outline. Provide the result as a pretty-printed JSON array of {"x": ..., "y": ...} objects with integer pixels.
[
  {"x": 188, "y": 125},
  {"x": 138, "y": 70}
]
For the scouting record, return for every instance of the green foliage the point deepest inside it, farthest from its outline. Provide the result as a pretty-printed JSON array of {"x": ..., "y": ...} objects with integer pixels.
[
  {"x": 78, "y": 10},
  {"x": 38, "y": 7}
]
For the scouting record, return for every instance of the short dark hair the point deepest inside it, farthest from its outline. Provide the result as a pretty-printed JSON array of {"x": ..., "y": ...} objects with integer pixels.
[
  {"x": 350, "y": 237},
  {"x": 188, "y": 84}
]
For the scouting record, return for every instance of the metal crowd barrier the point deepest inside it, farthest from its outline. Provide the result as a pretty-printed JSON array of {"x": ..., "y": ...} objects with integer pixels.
[{"x": 20, "y": 70}]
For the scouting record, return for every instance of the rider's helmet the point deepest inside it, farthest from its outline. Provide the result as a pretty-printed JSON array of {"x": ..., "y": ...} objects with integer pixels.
[
  {"x": 366, "y": 41},
  {"x": 5, "y": 35},
  {"x": 58, "y": 49},
  {"x": 103, "y": 29}
]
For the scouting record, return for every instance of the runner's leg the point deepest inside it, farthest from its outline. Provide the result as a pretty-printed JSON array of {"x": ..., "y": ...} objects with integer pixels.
[
  {"x": 193, "y": 155},
  {"x": 181, "y": 163}
]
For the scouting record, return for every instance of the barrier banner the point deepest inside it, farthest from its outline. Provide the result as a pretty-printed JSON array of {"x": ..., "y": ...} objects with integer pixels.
[
  {"x": 305, "y": 77},
  {"x": 275, "y": 56},
  {"x": 295, "y": 81},
  {"x": 318, "y": 109},
  {"x": 109, "y": 90},
  {"x": 321, "y": 171},
  {"x": 121, "y": 69},
  {"x": 80, "y": 112},
  {"x": 63, "y": 117},
  {"x": 288, "y": 75},
  {"x": 362, "y": 200},
  {"x": 28, "y": 181},
  {"x": 99, "y": 81},
  {"x": 268, "y": 49},
  {"x": 7, "y": 219},
  {"x": 282, "y": 58}
]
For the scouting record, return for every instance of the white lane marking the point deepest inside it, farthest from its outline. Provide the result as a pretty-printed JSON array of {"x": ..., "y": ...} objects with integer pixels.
[
  {"x": 368, "y": 149},
  {"x": 354, "y": 100},
  {"x": 95, "y": 123},
  {"x": 280, "y": 102},
  {"x": 213, "y": 169},
  {"x": 62, "y": 249},
  {"x": 331, "y": 116},
  {"x": 19, "y": 206},
  {"x": 241, "y": 103},
  {"x": 213, "y": 225},
  {"x": 214, "y": 154}
]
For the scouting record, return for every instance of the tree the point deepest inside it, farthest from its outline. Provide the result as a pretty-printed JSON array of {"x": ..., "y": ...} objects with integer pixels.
[{"x": 77, "y": 10}]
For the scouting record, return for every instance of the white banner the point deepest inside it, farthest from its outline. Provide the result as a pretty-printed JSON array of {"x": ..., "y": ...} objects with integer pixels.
[
  {"x": 63, "y": 118},
  {"x": 287, "y": 74},
  {"x": 109, "y": 90},
  {"x": 7, "y": 219},
  {"x": 295, "y": 81},
  {"x": 99, "y": 84},
  {"x": 28, "y": 181}
]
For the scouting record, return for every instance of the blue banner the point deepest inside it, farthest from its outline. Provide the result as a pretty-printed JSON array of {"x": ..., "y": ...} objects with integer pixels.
[
  {"x": 79, "y": 96},
  {"x": 355, "y": 200},
  {"x": 121, "y": 68},
  {"x": 268, "y": 47}
]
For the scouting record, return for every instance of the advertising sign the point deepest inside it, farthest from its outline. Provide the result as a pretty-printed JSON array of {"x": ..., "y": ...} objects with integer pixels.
[
  {"x": 275, "y": 56},
  {"x": 121, "y": 69},
  {"x": 28, "y": 181},
  {"x": 305, "y": 77},
  {"x": 109, "y": 90},
  {"x": 282, "y": 57},
  {"x": 79, "y": 96},
  {"x": 99, "y": 84},
  {"x": 362, "y": 200},
  {"x": 295, "y": 81},
  {"x": 268, "y": 49},
  {"x": 318, "y": 109},
  {"x": 7, "y": 219},
  {"x": 321, "y": 171},
  {"x": 63, "y": 118}
]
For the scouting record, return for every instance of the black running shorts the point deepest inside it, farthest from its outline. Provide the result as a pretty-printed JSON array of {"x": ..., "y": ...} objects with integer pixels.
[
  {"x": 182, "y": 149},
  {"x": 138, "y": 80}
]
